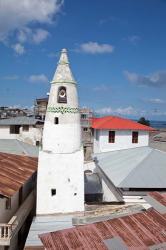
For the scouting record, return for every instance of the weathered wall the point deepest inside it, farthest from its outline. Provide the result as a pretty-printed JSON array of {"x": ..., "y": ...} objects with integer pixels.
[
  {"x": 6, "y": 214},
  {"x": 63, "y": 172},
  {"x": 31, "y": 136}
]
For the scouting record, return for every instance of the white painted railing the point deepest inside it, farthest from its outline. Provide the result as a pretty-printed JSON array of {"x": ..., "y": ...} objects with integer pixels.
[{"x": 5, "y": 231}]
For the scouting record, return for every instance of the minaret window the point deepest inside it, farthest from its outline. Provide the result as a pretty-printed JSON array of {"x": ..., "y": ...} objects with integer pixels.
[
  {"x": 56, "y": 120},
  {"x": 62, "y": 95},
  {"x": 53, "y": 192}
]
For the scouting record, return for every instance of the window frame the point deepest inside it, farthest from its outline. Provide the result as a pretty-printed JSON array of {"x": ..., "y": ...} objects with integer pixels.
[
  {"x": 56, "y": 120},
  {"x": 135, "y": 135},
  {"x": 111, "y": 136},
  {"x": 61, "y": 99},
  {"x": 25, "y": 128},
  {"x": 15, "y": 129}
]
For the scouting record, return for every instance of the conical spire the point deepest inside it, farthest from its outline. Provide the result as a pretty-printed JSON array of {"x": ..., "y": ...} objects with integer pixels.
[{"x": 63, "y": 72}]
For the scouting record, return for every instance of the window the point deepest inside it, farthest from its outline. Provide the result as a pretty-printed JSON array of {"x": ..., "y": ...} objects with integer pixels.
[
  {"x": 62, "y": 96},
  {"x": 14, "y": 129},
  {"x": 53, "y": 192},
  {"x": 134, "y": 137},
  {"x": 111, "y": 137},
  {"x": 25, "y": 128},
  {"x": 83, "y": 116},
  {"x": 37, "y": 143},
  {"x": 56, "y": 120},
  {"x": 85, "y": 129},
  {"x": 97, "y": 135},
  {"x": 8, "y": 203}
]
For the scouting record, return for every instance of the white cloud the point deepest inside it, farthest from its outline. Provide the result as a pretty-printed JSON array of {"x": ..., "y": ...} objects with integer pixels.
[
  {"x": 40, "y": 35},
  {"x": 96, "y": 48},
  {"x": 11, "y": 78},
  {"x": 18, "y": 48},
  {"x": 130, "y": 111},
  {"x": 16, "y": 17},
  {"x": 33, "y": 36},
  {"x": 38, "y": 78},
  {"x": 155, "y": 101},
  {"x": 157, "y": 79},
  {"x": 118, "y": 111},
  {"x": 16, "y": 14},
  {"x": 102, "y": 87},
  {"x": 134, "y": 39}
]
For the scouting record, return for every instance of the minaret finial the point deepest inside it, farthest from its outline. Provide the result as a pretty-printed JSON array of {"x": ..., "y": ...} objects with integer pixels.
[
  {"x": 63, "y": 72},
  {"x": 63, "y": 58}
]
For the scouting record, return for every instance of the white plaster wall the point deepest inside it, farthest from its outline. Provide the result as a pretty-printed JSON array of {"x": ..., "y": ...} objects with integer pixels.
[
  {"x": 64, "y": 137},
  {"x": 5, "y": 133},
  {"x": 63, "y": 172},
  {"x": 31, "y": 136},
  {"x": 108, "y": 195},
  {"x": 34, "y": 134},
  {"x": 6, "y": 214},
  {"x": 61, "y": 138},
  {"x": 123, "y": 140}
]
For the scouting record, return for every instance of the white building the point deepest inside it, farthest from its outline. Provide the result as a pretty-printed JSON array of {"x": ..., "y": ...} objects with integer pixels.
[
  {"x": 115, "y": 133},
  {"x": 127, "y": 166},
  {"x": 17, "y": 199},
  {"x": 60, "y": 184},
  {"x": 26, "y": 129}
]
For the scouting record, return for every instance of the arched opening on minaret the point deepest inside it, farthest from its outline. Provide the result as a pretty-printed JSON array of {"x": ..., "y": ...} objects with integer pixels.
[{"x": 62, "y": 95}]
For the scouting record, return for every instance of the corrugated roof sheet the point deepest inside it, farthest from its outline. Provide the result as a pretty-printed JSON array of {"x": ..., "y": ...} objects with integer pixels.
[
  {"x": 141, "y": 167},
  {"x": 45, "y": 224},
  {"x": 15, "y": 170},
  {"x": 20, "y": 120},
  {"x": 118, "y": 123},
  {"x": 13, "y": 146},
  {"x": 138, "y": 232}
]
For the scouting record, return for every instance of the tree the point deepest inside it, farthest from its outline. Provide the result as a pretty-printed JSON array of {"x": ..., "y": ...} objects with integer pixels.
[{"x": 143, "y": 121}]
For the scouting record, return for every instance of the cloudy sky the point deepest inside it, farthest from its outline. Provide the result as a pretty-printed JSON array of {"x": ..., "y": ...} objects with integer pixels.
[{"x": 117, "y": 50}]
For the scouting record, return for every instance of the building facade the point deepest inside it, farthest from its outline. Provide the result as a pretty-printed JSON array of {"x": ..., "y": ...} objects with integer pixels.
[
  {"x": 60, "y": 184},
  {"x": 26, "y": 129},
  {"x": 116, "y": 133},
  {"x": 17, "y": 198}
]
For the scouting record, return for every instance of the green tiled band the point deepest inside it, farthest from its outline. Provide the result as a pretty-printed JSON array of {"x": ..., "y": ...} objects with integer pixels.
[{"x": 63, "y": 110}]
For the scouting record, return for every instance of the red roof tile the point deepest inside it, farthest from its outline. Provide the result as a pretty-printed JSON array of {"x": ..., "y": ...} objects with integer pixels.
[
  {"x": 118, "y": 123},
  {"x": 138, "y": 231},
  {"x": 15, "y": 170}
]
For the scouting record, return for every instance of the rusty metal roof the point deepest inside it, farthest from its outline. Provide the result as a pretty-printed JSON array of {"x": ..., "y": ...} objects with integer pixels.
[
  {"x": 15, "y": 170},
  {"x": 138, "y": 231}
]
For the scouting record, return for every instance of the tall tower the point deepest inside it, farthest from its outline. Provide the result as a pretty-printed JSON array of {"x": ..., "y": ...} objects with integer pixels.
[{"x": 60, "y": 183}]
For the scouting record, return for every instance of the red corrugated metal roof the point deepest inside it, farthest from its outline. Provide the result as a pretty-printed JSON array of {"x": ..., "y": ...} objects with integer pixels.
[
  {"x": 118, "y": 123},
  {"x": 138, "y": 231},
  {"x": 15, "y": 170}
]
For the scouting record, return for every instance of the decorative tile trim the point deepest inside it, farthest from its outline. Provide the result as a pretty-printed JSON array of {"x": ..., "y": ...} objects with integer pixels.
[{"x": 63, "y": 110}]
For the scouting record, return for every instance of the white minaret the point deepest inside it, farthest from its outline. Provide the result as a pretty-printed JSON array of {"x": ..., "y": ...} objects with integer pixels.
[{"x": 60, "y": 183}]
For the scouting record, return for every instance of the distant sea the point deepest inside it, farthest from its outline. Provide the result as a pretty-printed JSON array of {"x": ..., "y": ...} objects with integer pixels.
[{"x": 158, "y": 124}]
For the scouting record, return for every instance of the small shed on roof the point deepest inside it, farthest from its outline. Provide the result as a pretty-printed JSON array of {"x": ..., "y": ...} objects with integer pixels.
[
  {"x": 142, "y": 230},
  {"x": 93, "y": 187},
  {"x": 15, "y": 170},
  {"x": 141, "y": 167}
]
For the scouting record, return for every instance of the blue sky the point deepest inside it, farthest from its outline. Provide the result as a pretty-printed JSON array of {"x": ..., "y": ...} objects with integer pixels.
[{"x": 117, "y": 50}]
